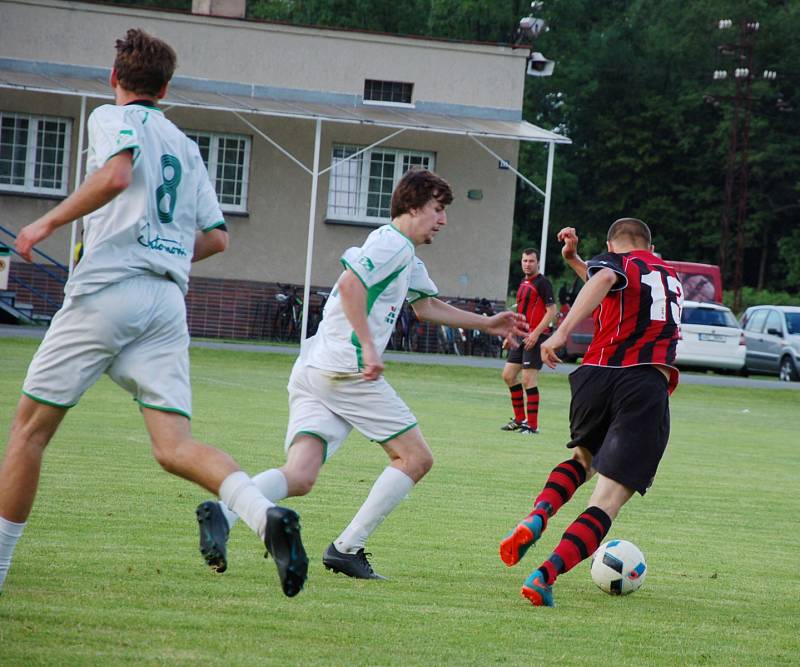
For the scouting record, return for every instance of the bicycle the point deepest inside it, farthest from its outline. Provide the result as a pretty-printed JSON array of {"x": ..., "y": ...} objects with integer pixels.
[
  {"x": 315, "y": 315},
  {"x": 403, "y": 333},
  {"x": 484, "y": 344},
  {"x": 287, "y": 323},
  {"x": 450, "y": 340}
]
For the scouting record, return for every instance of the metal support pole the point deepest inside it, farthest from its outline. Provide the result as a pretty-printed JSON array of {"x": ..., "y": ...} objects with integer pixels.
[
  {"x": 521, "y": 176},
  {"x": 78, "y": 179},
  {"x": 548, "y": 189},
  {"x": 312, "y": 214},
  {"x": 272, "y": 141}
]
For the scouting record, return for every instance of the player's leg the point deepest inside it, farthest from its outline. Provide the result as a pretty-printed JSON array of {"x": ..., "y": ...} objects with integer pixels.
[
  {"x": 75, "y": 351},
  {"x": 511, "y": 371},
  {"x": 579, "y": 541},
  {"x": 295, "y": 478},
  {"x": 32, "y": 429},
  {"x": 530, "y": 380},
  {"x": 410, "y": 460},
  {"x": 154, "y": 367},
  {"x": 180, "y": 454},
  {"x": 637, "y": 431},
  {"x": 589, "y": 422},
  {"x": 560, "y": 486}
]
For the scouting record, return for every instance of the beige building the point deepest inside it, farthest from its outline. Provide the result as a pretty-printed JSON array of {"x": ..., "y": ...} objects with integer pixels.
[{"x": 305, "y": 131}]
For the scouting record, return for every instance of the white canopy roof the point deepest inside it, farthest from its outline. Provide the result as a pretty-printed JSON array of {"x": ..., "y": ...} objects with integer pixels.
[{"x": 182, "y": 93}]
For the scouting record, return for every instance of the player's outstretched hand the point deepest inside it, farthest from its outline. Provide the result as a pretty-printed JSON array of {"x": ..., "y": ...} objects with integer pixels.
[
  {"x": 569, "y": 238},
  {"x": 509, "y": 325},
  {"x": 551, "y": 346},
  {"x": 29, "y": 236},
  {"x": 373, "y": 364}
]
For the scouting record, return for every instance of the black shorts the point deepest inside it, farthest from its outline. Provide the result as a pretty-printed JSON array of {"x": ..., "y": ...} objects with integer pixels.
[
  {"x": 528, "y": 358},
  {"x": 621, "y": 415}
]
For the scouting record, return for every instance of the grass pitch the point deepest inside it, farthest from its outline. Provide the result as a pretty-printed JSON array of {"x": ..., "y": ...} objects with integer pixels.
[{"x": 108, "y": 571}]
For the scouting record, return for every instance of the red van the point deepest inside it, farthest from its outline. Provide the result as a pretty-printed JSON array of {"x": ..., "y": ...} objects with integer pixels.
[{"x": 701, "y": 282}]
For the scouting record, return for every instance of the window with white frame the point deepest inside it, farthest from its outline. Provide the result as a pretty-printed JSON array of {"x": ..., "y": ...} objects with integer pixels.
[
  {"x": 227, "y": 158},
  {"x": 34, "y": 153},
  {"x": 361, "y": 188}
]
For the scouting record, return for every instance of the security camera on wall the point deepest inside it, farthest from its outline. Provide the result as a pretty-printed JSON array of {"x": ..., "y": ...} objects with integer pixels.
[
  {"x": 531, "y": 27},
  {"x": 538, "y": 65}
]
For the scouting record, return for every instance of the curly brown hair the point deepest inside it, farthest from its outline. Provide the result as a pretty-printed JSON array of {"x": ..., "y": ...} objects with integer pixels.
[
  {"x": 143, "y": 64},
  {"x": 416, "y": 188}
]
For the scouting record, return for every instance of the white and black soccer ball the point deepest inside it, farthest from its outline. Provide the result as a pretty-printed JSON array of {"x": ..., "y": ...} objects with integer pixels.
[{"x": 618, "y": 567}]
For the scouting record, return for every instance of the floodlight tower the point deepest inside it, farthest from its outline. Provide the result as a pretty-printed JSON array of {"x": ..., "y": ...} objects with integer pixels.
[{"x": 737, "y": 170}]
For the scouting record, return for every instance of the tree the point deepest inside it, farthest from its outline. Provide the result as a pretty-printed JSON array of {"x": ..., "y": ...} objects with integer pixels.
[{"x": 630, "y": 89}]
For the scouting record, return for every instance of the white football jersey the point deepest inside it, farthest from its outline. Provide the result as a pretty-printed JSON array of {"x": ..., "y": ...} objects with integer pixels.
[
  {"x": 391, "y": 272},
  {"x": 150, "y": 227}
]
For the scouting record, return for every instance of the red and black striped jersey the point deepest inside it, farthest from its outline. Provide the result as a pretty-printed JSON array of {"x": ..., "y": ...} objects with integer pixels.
[
  {"x": 638, "y": 320},
  {"x": 533, "y": 296}
]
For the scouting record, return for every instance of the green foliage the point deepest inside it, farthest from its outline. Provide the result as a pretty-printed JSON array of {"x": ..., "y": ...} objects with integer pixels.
[
  {"x": 756, "y": 297},
  {"x": 629, "y": 91},
  {"x": 108, "y": 571},
  {"x": 651, "y": 130}
]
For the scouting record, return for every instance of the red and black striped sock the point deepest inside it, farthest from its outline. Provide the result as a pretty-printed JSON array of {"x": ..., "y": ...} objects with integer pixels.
[
  {"x": 580, "y": 540},
  {"x": 532, "y": 394},
  {"x": 517, "y": 402},
  {"x": 561, "y": 485}
]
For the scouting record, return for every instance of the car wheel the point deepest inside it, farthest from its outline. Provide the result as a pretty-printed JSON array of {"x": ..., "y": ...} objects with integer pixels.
[{"x": 787, "y": 372}]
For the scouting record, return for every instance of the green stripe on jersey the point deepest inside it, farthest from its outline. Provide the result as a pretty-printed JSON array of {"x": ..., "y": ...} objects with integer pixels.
[{"x": 372, "y": 296}]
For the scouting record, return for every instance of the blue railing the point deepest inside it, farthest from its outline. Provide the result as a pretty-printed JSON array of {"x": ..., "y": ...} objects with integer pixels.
[
  {"x": 53, "y": 304},
  {"x": 39, "y": 267}
]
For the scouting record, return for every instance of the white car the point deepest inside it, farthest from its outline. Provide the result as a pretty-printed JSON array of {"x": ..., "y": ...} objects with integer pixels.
[{"x": 710, "y": 337}]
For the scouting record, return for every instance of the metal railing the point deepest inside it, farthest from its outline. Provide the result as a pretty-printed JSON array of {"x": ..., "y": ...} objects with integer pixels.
[
  {"x": 42, "y": 295},
  {"x": 38, "y": 267}
]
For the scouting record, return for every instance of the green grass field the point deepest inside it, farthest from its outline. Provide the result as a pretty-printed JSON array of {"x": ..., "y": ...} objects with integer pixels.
[{"x": 108, "y": 570}]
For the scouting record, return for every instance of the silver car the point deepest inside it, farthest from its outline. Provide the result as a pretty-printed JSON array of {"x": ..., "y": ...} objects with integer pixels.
[{"x": 772, "y": 337}]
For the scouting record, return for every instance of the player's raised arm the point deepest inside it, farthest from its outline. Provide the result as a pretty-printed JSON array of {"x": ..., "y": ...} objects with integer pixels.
[
  {"x": 569, "y": 251},
  {"x": 96, "y": 191}
]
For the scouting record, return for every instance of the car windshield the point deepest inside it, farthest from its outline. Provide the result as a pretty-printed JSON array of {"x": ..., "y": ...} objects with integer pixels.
[
  {"x": 793, "y": 323},
  {"x": 710, "y": 317}
]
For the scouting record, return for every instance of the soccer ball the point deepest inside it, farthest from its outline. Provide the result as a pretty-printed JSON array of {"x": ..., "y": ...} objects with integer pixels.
[{"x": 618, "y": 567}]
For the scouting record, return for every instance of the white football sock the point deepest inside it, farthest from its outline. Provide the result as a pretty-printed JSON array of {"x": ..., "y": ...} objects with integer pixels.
[
  {"x": 10, "y": 533},
  {"x": 239, "y": 493},
  {"x": 389, "y": 489},
  {"x": 273, "y": 486}
]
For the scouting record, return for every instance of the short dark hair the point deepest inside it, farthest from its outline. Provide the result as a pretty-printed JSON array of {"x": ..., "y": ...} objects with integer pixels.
[
  {"x": 632, "y": 230},
  {"x": 531, "y": 251},
  {"x": 416, "y": 188},
  {"x": 143, "y": 64}
]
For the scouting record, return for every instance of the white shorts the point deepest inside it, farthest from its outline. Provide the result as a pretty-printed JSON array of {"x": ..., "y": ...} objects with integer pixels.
[
  {"x": 134, "y": 330},
  {"x": 328, "y": 405}
]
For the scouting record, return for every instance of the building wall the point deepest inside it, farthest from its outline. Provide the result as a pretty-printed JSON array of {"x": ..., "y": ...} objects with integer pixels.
[
  {"x": 273, "y": 55},
  {"x": 269, "y": 243},
  {"x": 470, "y": 256}
]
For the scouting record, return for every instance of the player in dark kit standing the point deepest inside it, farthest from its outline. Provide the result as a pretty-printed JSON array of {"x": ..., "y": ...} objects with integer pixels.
[
  {"x": 535, "y": 301},
  {"x": 619, "y": 414}
]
